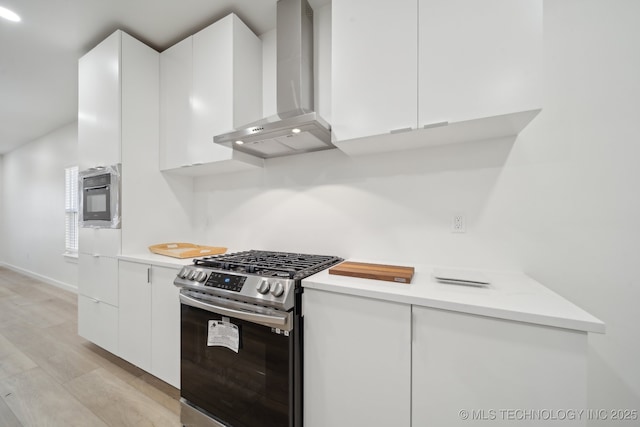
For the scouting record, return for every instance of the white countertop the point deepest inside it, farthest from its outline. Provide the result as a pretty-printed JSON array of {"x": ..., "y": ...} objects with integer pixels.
[
  {"x": 510, "y": 295},
  {"x": 155, "y": 259},
  {"x": 163, "y": 260}
]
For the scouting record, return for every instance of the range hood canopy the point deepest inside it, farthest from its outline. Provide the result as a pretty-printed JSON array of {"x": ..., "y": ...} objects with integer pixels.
[{"x": 296, "y": 128}]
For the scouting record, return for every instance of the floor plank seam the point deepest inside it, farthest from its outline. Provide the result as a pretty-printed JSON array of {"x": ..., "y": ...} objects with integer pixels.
[{"x": 49, "y": 375}]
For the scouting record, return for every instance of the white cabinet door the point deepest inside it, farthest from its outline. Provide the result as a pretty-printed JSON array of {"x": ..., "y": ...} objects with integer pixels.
[
  {"x": 165, "y": 326},
  {"x": 149, "y": 320},
  {"x": 98, "y": 278},
  {"x": 221, "y": 82},
  {"x": 176, "y": 76},
  {"x": 401, "y": 66},
  {"x": 99, "y": 104},
  {"x": 98, "y": 323},
  {"x": 357, "y": 361},
  {"x": 211, "y": 83},
  {"x": 478, "y": 59},
  {"x": 463, "y": 362},
  {"x": 212, "y": 107},
  {"x": 374, "y": 67},
  {"x": 134, "y": 334}
]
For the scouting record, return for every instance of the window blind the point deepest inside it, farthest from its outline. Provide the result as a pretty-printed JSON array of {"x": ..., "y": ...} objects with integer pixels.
[{"x": 71, "y": 209}]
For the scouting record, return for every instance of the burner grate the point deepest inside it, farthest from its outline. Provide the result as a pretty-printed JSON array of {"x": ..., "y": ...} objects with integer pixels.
[{"x": 272, "y": 264}]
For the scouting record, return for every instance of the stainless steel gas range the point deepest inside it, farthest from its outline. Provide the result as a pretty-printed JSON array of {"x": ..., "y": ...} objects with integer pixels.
[{"x": 241, "y": 338}]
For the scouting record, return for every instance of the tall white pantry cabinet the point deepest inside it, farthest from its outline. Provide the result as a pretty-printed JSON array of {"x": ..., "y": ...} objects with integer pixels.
[
  {"x": 115, "y": 98},
  {"x": 200, "y": 87}
]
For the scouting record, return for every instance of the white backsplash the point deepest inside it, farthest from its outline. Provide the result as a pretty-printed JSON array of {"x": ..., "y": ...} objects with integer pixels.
[{"x": 396, "y": 206}]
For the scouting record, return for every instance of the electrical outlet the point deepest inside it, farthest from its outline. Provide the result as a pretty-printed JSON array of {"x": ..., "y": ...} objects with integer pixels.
[{"x": 458, "y": 224}]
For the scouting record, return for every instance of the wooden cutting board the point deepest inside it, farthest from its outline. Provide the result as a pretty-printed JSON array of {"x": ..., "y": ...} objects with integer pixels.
[
  {"x": 391, "y": 273},
  {"x": 185, "y": 250}
]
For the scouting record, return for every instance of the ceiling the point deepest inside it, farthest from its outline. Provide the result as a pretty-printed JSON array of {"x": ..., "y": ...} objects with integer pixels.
[{"x": 39, "y": 55}]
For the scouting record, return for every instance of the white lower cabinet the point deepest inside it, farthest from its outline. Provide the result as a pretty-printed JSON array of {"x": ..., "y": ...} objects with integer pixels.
[
  {"x": 98, "y": 278},
  {"x": 165, "y": 326},
  {"x": 149, "y": 319},
  {"x": 98, "y": 300},
  {"x": 470, "y": 370},
  {"x": 357, "y": 361},
  {"x": 373, "y": 362},
  {"x": 134, "y": 335},
  {"x": 98, "y": 322}
]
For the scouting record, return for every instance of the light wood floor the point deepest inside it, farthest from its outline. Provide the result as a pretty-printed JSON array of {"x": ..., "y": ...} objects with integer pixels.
[{"x": 49, "y": 376}]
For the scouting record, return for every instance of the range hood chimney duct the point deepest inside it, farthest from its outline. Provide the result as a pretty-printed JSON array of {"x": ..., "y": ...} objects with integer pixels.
[
  {"x": 295, "y": 58},
  {"x": 296, "y": 128}
]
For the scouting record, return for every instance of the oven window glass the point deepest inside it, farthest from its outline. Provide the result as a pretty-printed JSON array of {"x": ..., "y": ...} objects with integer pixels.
[
  {"x": 245, "y": 389},
  {"x": 96, "y": 202}
]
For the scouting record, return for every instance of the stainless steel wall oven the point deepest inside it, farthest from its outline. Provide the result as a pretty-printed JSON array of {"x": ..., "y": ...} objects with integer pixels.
[{"x": 100, "y": 197}]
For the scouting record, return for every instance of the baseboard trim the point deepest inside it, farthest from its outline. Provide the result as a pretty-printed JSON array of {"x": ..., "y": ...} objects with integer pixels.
[{"x": 45, "y": 279}]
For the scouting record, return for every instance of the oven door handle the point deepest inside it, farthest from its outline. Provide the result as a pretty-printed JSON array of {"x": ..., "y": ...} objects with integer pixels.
[
  {"x": 99, "y": 187},
  {"x": 275, "y": 321}
]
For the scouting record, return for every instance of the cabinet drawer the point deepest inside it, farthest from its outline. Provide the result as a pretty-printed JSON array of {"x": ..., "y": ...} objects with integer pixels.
[
  {"x": 98, "y": 323},
  {"x": 98, "y": 278},
  {"x": 99, "y": 241}
]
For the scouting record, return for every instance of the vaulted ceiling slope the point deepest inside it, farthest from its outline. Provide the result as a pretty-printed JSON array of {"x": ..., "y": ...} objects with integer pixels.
[{"x": 39, "y": 55}]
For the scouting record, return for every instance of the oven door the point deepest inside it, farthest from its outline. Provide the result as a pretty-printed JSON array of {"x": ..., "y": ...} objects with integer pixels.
[
  {"x": 96, "y": 203},
  {"x": 241, "y": 380}
]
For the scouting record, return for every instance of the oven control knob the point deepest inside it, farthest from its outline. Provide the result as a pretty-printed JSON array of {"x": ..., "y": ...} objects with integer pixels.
[
  {"x": 201, "y": 276},
  {"x": 183, "y": 273},
  {"x": 277, "y": 290},
  {"x": 192, "y": 275},
  {"x": 263, "y": 287}
]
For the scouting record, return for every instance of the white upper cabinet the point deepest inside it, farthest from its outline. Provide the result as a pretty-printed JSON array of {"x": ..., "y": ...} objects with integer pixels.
[
  {"x": 374, "y": 67},
  {"x": 401, "y": 66},
  {"x": 176, "y": 71},
  {"x": 478, "y": 58},
  {"x": 117, "y": 99},
  {"x": 211, "y": 83},
  {"x": 99, "y": 118}
]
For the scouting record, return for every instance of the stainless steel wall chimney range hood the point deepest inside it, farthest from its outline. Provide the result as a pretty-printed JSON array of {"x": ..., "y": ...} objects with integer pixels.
[{"x": 296, "y": 128}]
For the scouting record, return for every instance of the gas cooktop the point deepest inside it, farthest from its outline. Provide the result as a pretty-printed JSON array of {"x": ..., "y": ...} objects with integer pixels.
[
  {"x": 258, "y": 277},
  {"x": 270, "y": 264}
]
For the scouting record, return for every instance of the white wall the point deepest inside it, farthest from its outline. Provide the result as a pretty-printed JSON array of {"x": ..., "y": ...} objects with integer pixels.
[
  {"x": 33, "y": 200},
  {"x": 560, "y": 203},
  {"x": 2, "y": 236},
  {"x": 572, "y": 183}
]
